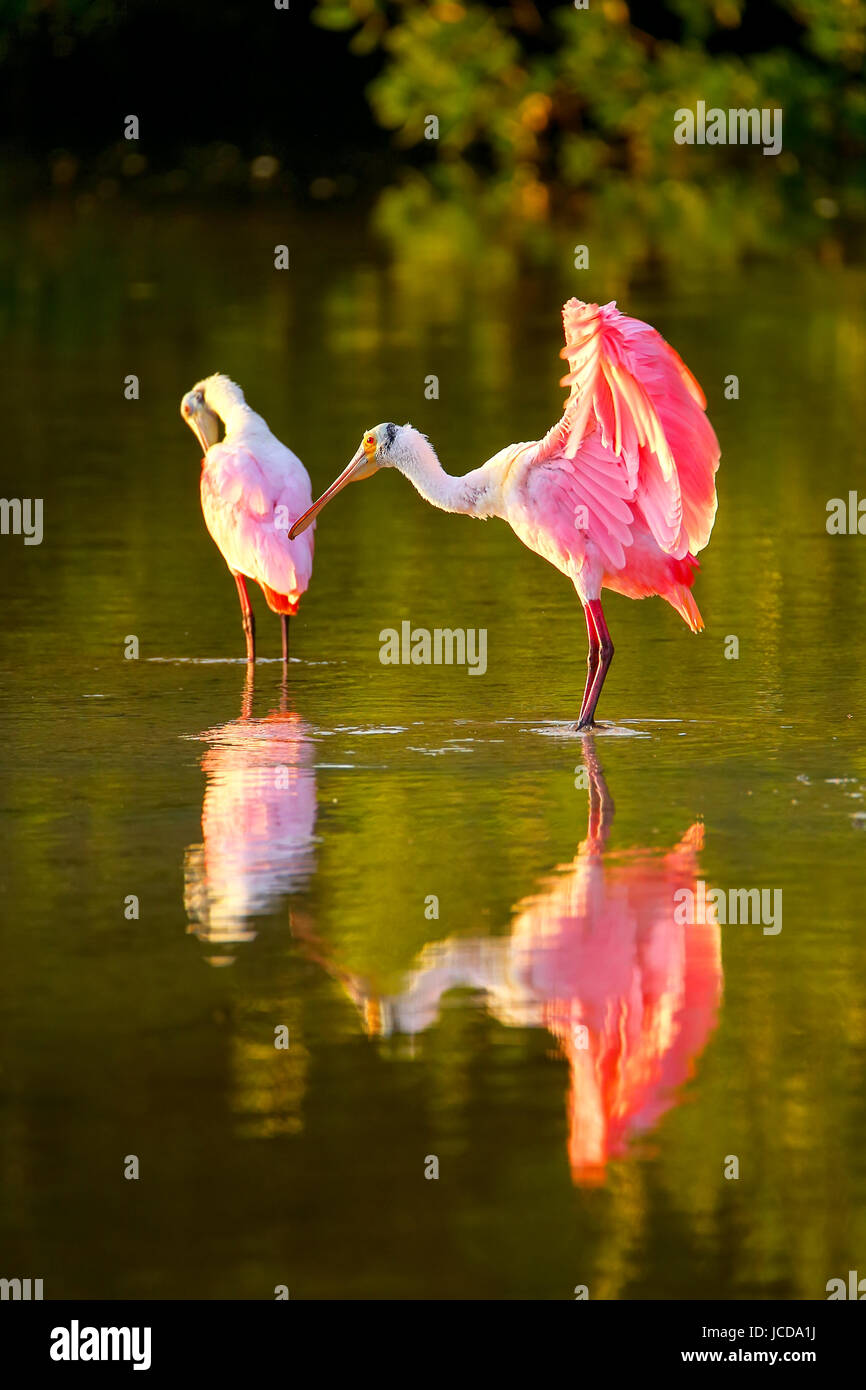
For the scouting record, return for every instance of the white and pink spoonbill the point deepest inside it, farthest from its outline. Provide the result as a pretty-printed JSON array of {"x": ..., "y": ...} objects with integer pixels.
[
  {"x": 251, "y": 486},
  {"x": 620, "y": 494}
]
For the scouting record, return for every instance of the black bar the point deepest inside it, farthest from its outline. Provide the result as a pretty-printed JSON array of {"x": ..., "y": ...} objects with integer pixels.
[{"x": 226, "y": 1338}]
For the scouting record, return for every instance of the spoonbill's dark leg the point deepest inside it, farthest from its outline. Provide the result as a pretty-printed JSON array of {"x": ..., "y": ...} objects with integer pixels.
[
  {"x": 591, "y": 659},
  {"x": 247, "y": 614},
  {"x": 587, "y": 713},
  {"x": 284, "y": 622}
]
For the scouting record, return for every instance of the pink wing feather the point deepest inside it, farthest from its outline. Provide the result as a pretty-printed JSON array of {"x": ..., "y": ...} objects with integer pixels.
[
  {"x": 632, "y": 392},
  {"x": 240, "y": 495}
]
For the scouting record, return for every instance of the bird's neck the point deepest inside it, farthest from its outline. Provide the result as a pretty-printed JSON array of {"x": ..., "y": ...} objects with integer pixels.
[
  {"x": 241, "y": 423},
  {"x": 471, "y": 494}
]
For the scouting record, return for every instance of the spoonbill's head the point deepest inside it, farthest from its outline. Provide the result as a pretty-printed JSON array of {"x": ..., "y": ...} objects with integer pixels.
[
  {"x": 203, "y": 421},
  {"x": 385, "y": 446}
]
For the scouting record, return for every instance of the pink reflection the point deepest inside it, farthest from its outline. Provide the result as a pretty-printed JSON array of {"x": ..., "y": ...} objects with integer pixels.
[
  {"x": 258, "y": 820},
  {"x": 596, "y": 958}
]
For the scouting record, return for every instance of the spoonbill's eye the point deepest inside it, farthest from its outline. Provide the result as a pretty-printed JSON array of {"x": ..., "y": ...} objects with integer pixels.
[{"x": 370, "y": 441}]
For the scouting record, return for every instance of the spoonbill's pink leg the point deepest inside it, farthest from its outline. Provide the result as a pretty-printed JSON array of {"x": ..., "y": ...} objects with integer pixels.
[
  {"x": 284, "y": 621},
  {"x": 249, "y": 618},
  {"x": 590, "y": 700},
  {"x": 591, "y": 659}
]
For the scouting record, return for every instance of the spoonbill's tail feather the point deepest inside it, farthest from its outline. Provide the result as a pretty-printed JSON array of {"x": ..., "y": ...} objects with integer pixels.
[
  {"x": 683, "y": 600},
  {"x": 280, "y": 603}
]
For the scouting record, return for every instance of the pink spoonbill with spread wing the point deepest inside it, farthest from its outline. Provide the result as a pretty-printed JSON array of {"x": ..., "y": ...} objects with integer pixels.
[
  {"x": 620, "y": 494},
  {"x": 251, "y": 485}
]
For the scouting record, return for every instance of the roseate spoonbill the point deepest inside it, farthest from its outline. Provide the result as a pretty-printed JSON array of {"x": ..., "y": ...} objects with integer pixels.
[
  {"x": 619, "y": 494},
  {"x": 251, "y": 485},
  {"x": 597, "y": 958}
]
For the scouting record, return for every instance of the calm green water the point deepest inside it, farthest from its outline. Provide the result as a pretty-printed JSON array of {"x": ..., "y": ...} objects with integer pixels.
[{"x": 284, "y": 839}]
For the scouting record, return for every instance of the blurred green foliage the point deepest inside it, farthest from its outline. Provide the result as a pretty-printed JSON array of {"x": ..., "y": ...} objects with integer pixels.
[
  {"x": 555, "y": 124},
  {"x": 552, "y": 114}
]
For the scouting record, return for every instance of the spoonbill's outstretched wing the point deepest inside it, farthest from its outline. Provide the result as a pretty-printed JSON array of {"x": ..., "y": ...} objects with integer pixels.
[{"x": 634, "y": 404}]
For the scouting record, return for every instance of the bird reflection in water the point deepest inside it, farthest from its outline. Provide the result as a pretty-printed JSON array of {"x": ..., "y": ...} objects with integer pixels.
[
  {"x": 596, "y": 958},
  {"x": 258, "y": 820}
]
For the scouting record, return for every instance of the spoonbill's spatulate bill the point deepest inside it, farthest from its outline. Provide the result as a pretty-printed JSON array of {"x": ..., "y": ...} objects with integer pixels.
[
  {"x": 250, "y": 485},
  {"x": 620, "y": 494}
]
